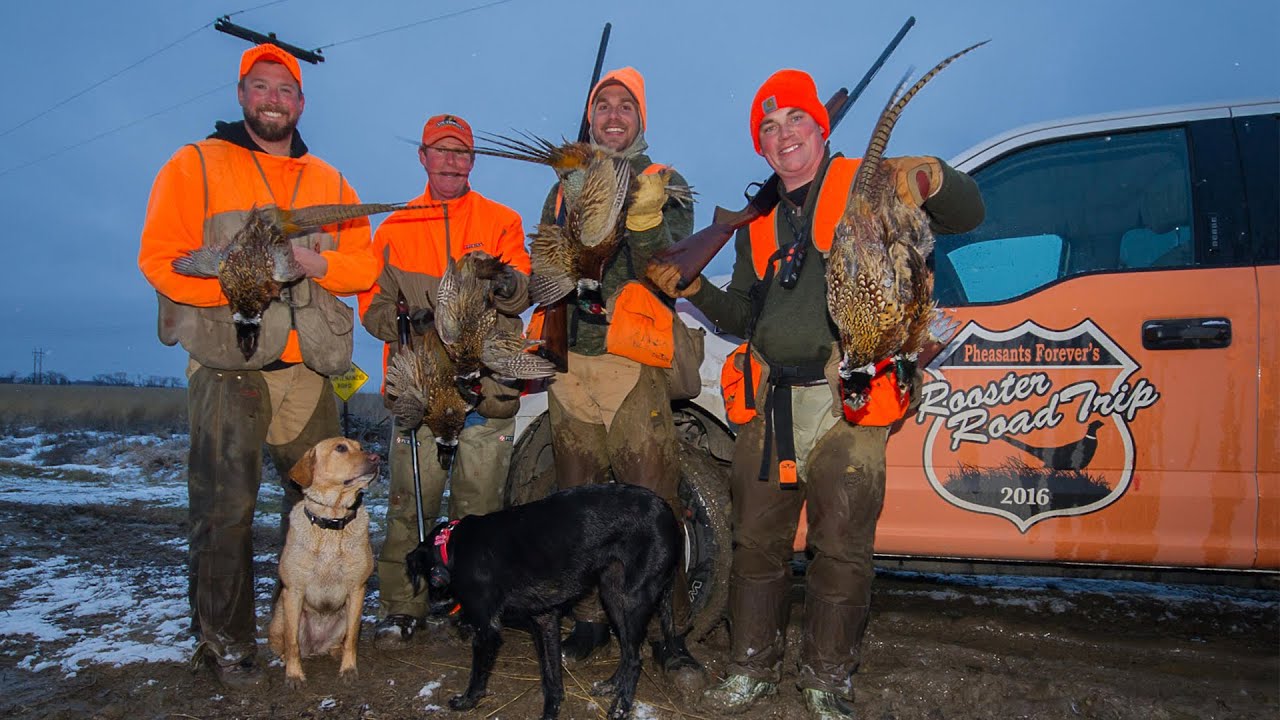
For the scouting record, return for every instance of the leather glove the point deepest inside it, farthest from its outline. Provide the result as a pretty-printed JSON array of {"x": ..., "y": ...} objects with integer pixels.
[
  {"x": 648, "y": 197},
  {"x": 916, "y": 179},
  {"x": 420, "y": 320},
  {"x": 504, "y": 285}
]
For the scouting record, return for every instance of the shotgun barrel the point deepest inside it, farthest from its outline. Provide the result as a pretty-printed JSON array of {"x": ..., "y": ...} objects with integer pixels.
[
  {"x": 695, "y": 252},
  {"x": 555, "y": 320}
]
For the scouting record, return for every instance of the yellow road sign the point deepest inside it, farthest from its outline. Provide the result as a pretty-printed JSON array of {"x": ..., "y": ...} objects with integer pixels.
[{"x": 346, "y": 384}]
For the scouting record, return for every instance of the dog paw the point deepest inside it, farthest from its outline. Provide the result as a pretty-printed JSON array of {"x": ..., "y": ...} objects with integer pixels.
[
  {"x": 349, "y": 675},
  {"x": 295, "y": 682},
  {"x": 462, "y": 702}
]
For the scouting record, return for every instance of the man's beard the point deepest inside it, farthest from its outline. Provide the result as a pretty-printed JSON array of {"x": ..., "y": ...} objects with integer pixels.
[{"x": 269, "y": 132}]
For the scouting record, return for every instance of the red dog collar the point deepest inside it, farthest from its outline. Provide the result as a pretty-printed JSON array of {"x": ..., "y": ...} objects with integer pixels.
[{"x": 442, "y": 541}]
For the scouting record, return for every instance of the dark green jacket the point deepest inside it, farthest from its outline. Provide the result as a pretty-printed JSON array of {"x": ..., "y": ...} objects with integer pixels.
[
  {"x": 794, "y": 328},
  {"x": 677, "y": 223}
]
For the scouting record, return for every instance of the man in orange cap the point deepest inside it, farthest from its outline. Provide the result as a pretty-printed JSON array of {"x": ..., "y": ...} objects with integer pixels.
[
  {"x": 611, "y": 414},
  {"x": 417, "y": 244},
  {"x": 839, "y": 466},
  {"x": 281, "y": 394}
]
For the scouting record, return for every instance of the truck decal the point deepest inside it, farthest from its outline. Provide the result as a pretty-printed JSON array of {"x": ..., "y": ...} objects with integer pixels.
[{"x": 1031, "y": 423}]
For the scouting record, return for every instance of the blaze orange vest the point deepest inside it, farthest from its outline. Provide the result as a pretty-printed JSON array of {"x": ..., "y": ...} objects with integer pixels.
[
  {"x": 832, "y": 198},
  {"x": 885, "y": 405}
]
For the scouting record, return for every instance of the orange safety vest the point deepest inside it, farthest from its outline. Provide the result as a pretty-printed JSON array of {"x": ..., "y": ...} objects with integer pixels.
[
  {"x": 885, "y": 405},
  {"x": 640, "y": 325}
]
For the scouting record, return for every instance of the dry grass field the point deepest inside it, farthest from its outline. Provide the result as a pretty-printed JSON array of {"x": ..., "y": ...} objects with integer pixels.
[{"x": 124, "y": 409}]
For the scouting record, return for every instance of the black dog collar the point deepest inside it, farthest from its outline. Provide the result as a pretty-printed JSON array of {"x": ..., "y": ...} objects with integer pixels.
[{"x": 335, "y": 523}]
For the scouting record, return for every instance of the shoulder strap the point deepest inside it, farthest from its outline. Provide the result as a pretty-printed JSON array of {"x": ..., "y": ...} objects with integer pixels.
[{"x": 204, "y": 176}]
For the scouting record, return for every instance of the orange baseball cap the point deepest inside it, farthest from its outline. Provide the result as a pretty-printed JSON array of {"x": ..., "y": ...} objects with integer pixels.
[
  {"x": 784, "y": 89},
  {"x": 270, "y": 53},
  {"x": 440, "y": 127},
  {"x": 629, "y": 78}
]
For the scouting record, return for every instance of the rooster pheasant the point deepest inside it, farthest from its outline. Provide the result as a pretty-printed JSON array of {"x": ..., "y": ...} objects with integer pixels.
[
  {"x": 467, "y": 322},
  {"x": 879, "y": 287},
  {"x": 423, "y": 389},
  {"x": 596, "y": 187},
  {"x": 257, "y": 262}
]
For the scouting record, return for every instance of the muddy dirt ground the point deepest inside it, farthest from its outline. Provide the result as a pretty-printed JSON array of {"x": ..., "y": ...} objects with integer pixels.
[{"x": 937, "y": 648}]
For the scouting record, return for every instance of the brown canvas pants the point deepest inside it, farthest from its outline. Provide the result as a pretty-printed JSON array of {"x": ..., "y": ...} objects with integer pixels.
[
  {"x": 611, "y": 413},
  {"x": 843, "y": 482},
  {"x": 479, "y": 474},
  {"x": 232, "y": 414}
]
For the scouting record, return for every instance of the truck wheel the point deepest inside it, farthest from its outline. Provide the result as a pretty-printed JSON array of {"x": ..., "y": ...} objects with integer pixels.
[
  {"x": 704, "y": 492},
  {"x": 708, "y": 550},
  {"x": 532, "y": 475}
]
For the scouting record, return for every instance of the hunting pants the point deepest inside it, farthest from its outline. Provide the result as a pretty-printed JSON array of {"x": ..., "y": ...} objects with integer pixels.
[
  {"x": 479, "y": 476},
  {"x": 842, "y": 478},
  {"x": 611, "y": 413},
  {"x": 231, "y": 414}
]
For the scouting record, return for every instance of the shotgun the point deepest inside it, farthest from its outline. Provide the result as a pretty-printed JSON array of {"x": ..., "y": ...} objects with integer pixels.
[
  {"x": 555, "y": 321},
  {"x": 693, "y": 253}
]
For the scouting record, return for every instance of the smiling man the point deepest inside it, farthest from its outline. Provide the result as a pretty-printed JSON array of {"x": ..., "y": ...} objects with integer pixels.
[
  {"x": 280, "y": 395},
  {"x": 611, "y": 415},
  {"x": 448, "y": 221},
  {"x": 777, "y": 299}
]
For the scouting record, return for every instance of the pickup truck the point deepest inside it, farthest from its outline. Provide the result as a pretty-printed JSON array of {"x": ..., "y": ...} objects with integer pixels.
[{"x": 1112, "y": 394}]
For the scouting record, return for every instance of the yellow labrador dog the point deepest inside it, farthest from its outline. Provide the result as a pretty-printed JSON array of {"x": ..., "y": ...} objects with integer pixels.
[{"x": 326, "y": 559}]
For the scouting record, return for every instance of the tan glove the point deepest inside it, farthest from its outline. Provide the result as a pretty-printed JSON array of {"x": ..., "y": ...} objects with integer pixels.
[
  {"x": 648, "y": 197},
  {"x": 916, "y": 179},
  {"x": 665, "y": 276}
]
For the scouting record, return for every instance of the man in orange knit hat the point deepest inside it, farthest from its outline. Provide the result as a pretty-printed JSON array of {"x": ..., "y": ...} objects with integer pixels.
[
  {"x": 417, "y": 245},
  {"x": 838, "y": 466},
  {"x": 611, "y": 415},
  {"x": 281, "y": 394}
]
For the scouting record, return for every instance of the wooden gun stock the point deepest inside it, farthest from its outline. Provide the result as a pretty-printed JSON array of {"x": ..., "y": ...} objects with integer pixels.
[{"x": 555, "y": 334}]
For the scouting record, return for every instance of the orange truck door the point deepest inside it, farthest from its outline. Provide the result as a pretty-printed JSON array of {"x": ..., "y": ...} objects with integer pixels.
[{"x": 1100, "y": 401}]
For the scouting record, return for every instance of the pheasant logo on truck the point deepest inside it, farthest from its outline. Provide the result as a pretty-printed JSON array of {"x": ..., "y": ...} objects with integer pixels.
[{"x": 1032, "y": 423}]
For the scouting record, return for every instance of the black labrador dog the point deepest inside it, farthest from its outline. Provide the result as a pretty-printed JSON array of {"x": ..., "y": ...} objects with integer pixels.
[{"x": 530, "y": 563}]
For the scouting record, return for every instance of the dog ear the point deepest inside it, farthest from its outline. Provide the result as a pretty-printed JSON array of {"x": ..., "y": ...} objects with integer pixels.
[{"x": 303, "y": 470}]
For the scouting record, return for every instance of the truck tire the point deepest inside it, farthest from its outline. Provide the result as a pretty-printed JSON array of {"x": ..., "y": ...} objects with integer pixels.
[
  {"x": 704, "y": 492},
  {"x": 532, "y": 475},
  {"x": 708, "y": 551}
]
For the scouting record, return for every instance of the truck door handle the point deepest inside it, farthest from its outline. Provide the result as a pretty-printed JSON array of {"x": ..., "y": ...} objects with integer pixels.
[{"x": 1186, "y": 333}]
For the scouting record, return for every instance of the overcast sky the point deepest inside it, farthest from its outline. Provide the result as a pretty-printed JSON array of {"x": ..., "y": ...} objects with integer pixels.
[{"x": 72, "y": 285}]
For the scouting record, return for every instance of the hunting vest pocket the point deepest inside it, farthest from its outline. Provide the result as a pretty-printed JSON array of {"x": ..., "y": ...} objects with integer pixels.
[
  {"x": 644, "y": 329},
  {"x": 325, "y": 328},
  {"x": 739, "y": 404}
]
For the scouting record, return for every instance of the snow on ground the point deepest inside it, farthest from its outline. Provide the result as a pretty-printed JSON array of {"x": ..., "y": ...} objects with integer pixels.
[{"x": 80, "y": 614}]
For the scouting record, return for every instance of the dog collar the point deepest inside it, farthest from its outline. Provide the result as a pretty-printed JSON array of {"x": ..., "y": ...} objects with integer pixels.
[
  {"x": 442, "y": 542},
  {"x": 335, "y": 523}
]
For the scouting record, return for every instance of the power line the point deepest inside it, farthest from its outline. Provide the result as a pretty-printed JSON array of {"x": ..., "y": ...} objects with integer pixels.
[
  {"x": 123, "y": 70},
  {"x": 414, "y": 24},
  {"x": 130, "y": 124}
]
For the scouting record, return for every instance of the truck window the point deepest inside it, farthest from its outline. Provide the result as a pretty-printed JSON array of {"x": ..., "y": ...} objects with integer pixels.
[{"x": 1104, "y": 203}]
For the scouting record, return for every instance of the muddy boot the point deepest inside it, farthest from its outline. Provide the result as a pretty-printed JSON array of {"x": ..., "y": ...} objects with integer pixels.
[
  {"x": 738, "y": 692},
  {"x": 234, "y": 673},
  {"x": 674, "y": 656},
  {"x": 823, "y": 705},
  {"x": 585, "y": 638}
]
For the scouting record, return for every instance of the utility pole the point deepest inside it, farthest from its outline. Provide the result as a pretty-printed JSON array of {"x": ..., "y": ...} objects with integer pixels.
[
  {"x": 37, "y": 366},
  {"x": 224, "y": 24}
]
